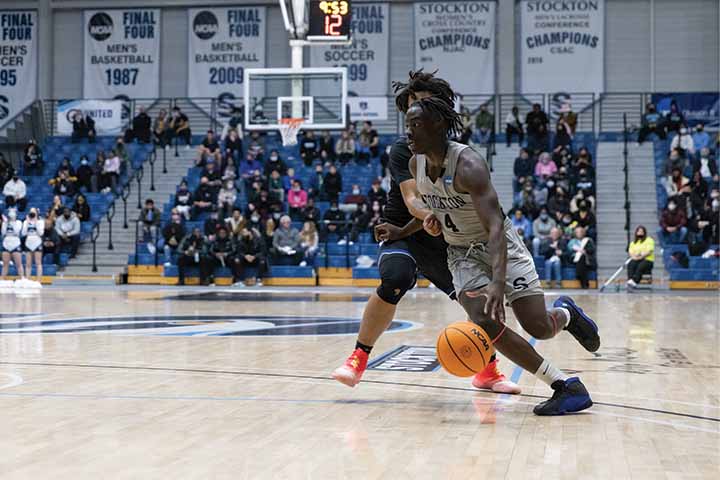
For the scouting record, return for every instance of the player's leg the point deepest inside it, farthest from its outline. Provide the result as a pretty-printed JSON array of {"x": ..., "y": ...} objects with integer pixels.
[
  {"x": 397, "y": 276},
  {"x": 37, "y": 254},
  {"x": 17, "y": 260}
]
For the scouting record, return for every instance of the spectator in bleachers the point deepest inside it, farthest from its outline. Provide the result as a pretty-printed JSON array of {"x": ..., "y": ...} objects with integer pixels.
[
  {"x": 234, "y": 145},
  {"x": 541, "y": 228},
  {"x": 268, "y": 232},
  {"x": 254, "y": 219},
  {"x": 582, "y": 251},
  {"x": 309, "y": 241},
  {"x": 149, "y": 222},
  {"x": 33, "y": 158},
  {"x": 212, "y": 224},
  {"x": 229, "y": 171},
  {"x": 359, "y": 221},
  {"x": 51, "y": 240},
  {"x": 15, "y": 192},
  {"x": 683, "y": 142},
  {"x": 674, "y": 118},
  {"x": 706, "y": 223},
  {"x": 642, "y": 256},
  {"x": 652, "y": 122},
  {"x": 275, "y": 162},
  {"x": 583, "y": 160},
  {"x": 297, "y": 201},
  {"x": 373, "y": 138},
  {"x": 249, "y": 252},
  {"x": 226, "y": 198},
  {"x": 183, "y": 200},
  {"x": 257, "y": 145},
  {"x": 83, "y": 127},
  {"x": 286, "y": 243},
  {"x": 334, "y": 220},
  {"x": 562, "y": 157},
  {"x": 275, "y": 187},
  {"x": 521, "y": 222},
  {"x": 568, "y": 118},
  {"x": 377, "y": 193},
  {"x": 514, "y": 126},
  {"x": 677, "y": 184},
  {"x": 190, "y": 252},
  {"x": 288, "y": 179},
  {"x": 180, "y": 126},
  {"x": 467, "y": 121},
  {"x": 161, "y": 130},
  {"x": 558, "y": 204},
  {"x": 56, "y": 209},
  {"x": 249, "y": 169},
  {"x": 110, "y": 173},
  {"x": 525, "y": 199},
  {"x": 327, "y": 145},
  {"x": 64, "y": 184},
  {"x": 537, "y": 128},
  {"x": 332, "y": 184},
  {"x": 85, "y": 175},
  {"x": 220, "y": 253},
  {"x": 204, "y": 198},
  {"x": 701, "y": 139},
  {"x": 173, "y": 234},
  {"x": 65, "y": 166},
  {"x": 562, "y": 179},
  {"x": 485, "y": 125},
  {"x": 141, "y": 127},
  {"x": 311, "y": 213},
  {"x": 82, "y": 208},
  {"x": 355, "y": 197},
  {"x": 563, "y": 135},
  {"x": 6, "y": 170},
  {"x": 308, "y": 148},
  {"x": 584, "y": 217},
  {"x": 553, "y": 248},
  {"x": 209, "y": 149},
  {"x": 67, "y": 227},
  {"x": 586, "y": 183},
  {"x": 567, "y": 225},
  {"x": 523, "y": 168},
  {"x": 11, "y": 232},
  {"x": 345, "y": 147},
  {"x": 236, "y": 222},
  {"x": 316, "y": 183},
  {"x": 698, "y": 192},
  {"x": 675, "y": 160},
  {"x": 706, "y": 165},
  {"x": 580, "y": 197},
  {"x": 673, "y": 223},
  {"x": 545, "y": 167}
]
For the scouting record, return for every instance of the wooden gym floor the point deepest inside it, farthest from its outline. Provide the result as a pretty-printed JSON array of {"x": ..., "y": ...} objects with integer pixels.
[{"x": 141, "y": 383}]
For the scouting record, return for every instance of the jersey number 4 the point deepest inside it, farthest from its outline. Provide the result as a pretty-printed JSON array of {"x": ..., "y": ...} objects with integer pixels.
[{"x": 450, "y": 225}]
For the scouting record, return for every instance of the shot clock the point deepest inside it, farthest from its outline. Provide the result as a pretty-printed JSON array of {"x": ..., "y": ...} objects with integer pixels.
[{"x": 329, "y": 20}]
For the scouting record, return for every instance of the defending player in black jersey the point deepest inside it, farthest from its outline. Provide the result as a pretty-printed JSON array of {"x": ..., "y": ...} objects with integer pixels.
[{"x": 400, "y": 260}]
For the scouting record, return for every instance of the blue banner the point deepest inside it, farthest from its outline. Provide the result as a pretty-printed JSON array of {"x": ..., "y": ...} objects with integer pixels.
[{"x": 696, "y": 107}]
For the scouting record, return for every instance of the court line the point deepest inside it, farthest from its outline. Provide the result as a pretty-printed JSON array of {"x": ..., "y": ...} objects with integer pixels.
[
  {"x": 15, "y": 380},
  {"x": 328, "y": 379}
]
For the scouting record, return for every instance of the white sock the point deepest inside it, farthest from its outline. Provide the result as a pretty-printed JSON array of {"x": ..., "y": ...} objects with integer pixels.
[
  {"x": 566, "y": 315},
  {"x": 549, "y": 374}
]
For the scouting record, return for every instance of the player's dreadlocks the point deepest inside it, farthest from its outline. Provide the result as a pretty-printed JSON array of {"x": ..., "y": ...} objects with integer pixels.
[
  {"x": 441, "y": 111},
  {"x": 422, "y": 82}
]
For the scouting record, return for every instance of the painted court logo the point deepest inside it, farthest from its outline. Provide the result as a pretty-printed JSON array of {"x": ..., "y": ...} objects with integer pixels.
[
  {"x": 100, "y": 26},
  {"x": 197, "y": 325}
]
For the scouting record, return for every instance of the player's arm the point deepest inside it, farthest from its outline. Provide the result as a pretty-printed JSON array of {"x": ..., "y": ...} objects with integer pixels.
[
  {"x": 387, "y": 232},
  {"x": 473, "y": 177},
  {"x": 410, "y": 194}
]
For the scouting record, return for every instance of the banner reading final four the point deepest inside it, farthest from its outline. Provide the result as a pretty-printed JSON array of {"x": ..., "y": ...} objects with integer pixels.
[
  {"x": 366, "y": 58},
  {"x": 18, "y": 62},
  {"x": 122, "y": 53},
  {"x": 563, "y": 46},
  {"x": 458, "y": 40},
  {"x": 223, "y": 42}
]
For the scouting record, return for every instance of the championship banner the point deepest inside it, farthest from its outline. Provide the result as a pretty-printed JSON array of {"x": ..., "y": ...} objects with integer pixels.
[
  {"x": 18, "y": 62},
  {"x": 122, "y": 53},
  {"x": 107, "y": 115},
  {"x": 458, "y": 40},
  {"x": 223, "y": 42},
  {"x": 563, "y": 47},
  {"x": 367, "y": 58},
  {"x": 368, "y": 108}
]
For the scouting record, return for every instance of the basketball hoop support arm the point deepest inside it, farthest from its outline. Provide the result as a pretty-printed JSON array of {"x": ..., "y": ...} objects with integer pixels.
[{"x": 296, "y": 61}]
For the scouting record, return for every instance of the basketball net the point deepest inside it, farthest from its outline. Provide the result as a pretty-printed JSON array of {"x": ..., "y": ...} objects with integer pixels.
[{"x": 289, "y": 128}]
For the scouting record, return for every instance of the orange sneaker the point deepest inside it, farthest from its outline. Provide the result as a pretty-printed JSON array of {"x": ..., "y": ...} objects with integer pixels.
[
  {"x": 492, "y": 379},
  {"x": 352, "y": 370}
]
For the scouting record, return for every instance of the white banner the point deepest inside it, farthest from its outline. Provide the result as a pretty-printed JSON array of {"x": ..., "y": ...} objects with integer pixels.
[
  {"x": 367, "y": 58},
  {"x": 106, "y": 113},
  {"x": 122, "y": 53},
  {"x": 563, "y": 46},
  {"x": 18, "y": 62},
  {"x": 458, "y": 40},
  {"x": 223, "y": 42},
  {"x": 368, "y": 108}
]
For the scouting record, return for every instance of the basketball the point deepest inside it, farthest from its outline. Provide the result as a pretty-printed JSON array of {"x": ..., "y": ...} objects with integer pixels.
[{"x": 464, "y": 349}]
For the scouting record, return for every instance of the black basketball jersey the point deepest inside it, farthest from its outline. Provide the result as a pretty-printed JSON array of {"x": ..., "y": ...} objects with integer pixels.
[{"x": 396, "y": 211}]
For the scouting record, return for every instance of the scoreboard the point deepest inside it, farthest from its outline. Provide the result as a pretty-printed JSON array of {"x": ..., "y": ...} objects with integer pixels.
[{"x": 329, "y": 20}]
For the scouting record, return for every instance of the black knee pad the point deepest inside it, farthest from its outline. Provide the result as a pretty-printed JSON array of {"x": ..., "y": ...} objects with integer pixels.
[{"x": 398, "y": 274}]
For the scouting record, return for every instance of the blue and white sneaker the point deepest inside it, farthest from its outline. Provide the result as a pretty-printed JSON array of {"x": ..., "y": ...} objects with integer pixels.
[
  {"x": 582, "y": 327},
  {"x": 570, "y": 396}
]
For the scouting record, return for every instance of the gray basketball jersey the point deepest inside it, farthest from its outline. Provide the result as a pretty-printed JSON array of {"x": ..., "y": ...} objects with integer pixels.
[{"x": 460, "y": 223}]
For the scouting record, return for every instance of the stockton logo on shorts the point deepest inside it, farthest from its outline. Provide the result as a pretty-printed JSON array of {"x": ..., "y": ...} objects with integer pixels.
[
  {"x": 205, "y": 25},
  {"x": 100, "y": 27}
]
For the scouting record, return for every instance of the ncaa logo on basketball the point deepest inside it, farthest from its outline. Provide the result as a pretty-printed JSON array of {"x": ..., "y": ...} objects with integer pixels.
[
  {"x": 480, "y": 336},
  {"x": 205, "y": 25},
  {"x": 100, "y": 27}
]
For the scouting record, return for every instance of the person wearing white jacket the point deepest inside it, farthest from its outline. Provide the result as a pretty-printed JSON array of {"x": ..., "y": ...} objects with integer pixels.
[
  {"x": 32, "y": 231},
  {"x": 11, "y": 232}
]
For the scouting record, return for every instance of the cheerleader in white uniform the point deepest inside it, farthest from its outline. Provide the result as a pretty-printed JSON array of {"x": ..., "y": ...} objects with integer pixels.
[
  {"x": 11, "y": 244},
  {"x": 32, "y": 231}
]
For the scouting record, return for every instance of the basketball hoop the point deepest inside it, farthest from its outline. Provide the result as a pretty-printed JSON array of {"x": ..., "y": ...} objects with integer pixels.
[{"x": 289, "y": 128}]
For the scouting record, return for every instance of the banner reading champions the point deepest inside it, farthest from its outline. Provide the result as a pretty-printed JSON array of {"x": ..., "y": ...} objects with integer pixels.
[
  {"x": 458, "y": 40},
  {"x": 223, "y": 42},
  {"x": 18, "y": 62},
  {"x": 122, "y": 53},
  {"x": 563, "y": 46}
]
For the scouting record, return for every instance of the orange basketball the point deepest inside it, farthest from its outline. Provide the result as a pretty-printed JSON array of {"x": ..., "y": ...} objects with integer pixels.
[{"x": 464, "y": 349}]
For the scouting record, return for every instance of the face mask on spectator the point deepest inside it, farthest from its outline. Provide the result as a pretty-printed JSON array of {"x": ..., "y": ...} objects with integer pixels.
[
  {"x": 12, "y": 215},
  {"x": 376, "y": 208},
  {"x": 356, "y": 191},
  {"x": 255, "y": 218},
  {"x": 714, "y": 194},
  {"x": 544, "y": 216},
  {"x": 32, "y": 215},
  {"x": 176, "y": 218},
  {"x": 640, "y": 235},
  {"x": 672, "y": 207},
  {"x": 567, "y": 220},
  {"x": 66, "y": 215},
  {"x": 15, "y": 178},
  {"x": 273, "y": 158}
]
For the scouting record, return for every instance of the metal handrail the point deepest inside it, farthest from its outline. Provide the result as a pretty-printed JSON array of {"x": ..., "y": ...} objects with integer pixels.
[
  {"x": 93, "y": 238},
  {"x": 626, "y": 173},
  {"x": 109, "y": 215},
  {"x": 152, "y": 156}
]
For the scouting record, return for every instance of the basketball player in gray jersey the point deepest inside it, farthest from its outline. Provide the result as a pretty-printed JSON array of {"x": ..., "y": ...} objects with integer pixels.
[{"x": 486, "y": 257}]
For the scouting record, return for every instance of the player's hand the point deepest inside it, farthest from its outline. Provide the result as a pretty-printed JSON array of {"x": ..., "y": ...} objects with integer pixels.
[
  {"x": 432, "y": 225},
  {"x": 386, "y": 232},
  {"x": 494, "y": 300}
]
